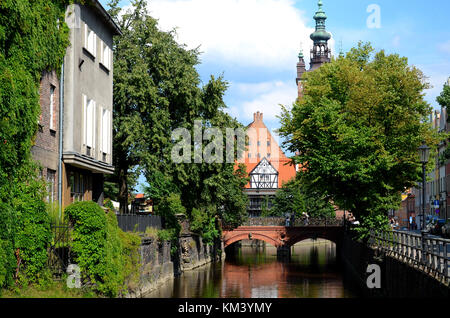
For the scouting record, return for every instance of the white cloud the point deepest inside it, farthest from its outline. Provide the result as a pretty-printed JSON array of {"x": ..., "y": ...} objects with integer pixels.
[
  {"x": 266, "y": 98},
  {"x": 264, "y": 33}
]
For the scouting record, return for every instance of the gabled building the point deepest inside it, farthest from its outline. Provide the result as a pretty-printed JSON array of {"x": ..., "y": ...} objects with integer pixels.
[
  {"x": 74, "y": 142},
  {"x": 266, "y": 164}
]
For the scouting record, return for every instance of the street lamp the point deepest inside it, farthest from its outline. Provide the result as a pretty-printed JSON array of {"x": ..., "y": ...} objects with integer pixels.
[{"x": 424, "y": 153}]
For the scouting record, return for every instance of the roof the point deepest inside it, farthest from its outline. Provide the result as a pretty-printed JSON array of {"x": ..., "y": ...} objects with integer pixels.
[{"x": 107, "y": 18}]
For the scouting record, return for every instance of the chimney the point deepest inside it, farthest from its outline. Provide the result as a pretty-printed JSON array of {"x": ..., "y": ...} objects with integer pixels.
[{"x": 257, "y": 116}]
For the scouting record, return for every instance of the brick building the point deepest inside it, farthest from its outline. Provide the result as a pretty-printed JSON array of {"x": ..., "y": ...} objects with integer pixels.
[
  {"x": 46, "y": 146},
  {"x": 266, "y": 164}
]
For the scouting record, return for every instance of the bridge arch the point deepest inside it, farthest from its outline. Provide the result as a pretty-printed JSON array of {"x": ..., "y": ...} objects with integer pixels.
[
  {"x": 254, "y": 236},
  {"x": 298, "y": 239}
]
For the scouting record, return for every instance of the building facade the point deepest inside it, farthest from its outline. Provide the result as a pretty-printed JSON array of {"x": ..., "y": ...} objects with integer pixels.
[
  {"x": 46, "y": 145},
  {"x": 88, "y": 100},
  {"x": 76, "y": 148},
  {"x": 266, "y": 164}
]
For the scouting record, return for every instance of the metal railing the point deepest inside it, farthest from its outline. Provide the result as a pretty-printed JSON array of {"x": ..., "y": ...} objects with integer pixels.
[
  {"x": 301, "y": 222},
  {"x": 428, "y": 253},
  {"x": 59, "y": 249},
  {"x": 138, "y": 223}
]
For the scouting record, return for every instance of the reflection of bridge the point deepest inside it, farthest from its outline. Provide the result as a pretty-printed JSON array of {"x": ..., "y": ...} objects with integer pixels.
[{"x": 274, "y": 232}]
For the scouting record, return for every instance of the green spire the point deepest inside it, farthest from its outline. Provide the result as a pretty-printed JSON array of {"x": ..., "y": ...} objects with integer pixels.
[
  {"x": 320, "y": 14},
  {"x": 320, "y": 35}
]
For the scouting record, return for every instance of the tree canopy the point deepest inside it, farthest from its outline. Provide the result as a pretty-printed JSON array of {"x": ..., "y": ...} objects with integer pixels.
[
  {"x": 358, "y": 128},
  {"x": 157, "y": 90}
]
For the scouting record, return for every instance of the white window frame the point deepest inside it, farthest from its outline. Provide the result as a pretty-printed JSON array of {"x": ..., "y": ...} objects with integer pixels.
[
  {"x": 90, "y": 40},
  {"x": 106, "y": 131},
  {"x": 106, "y": 58},
  {"x": 52, "y": 106},
  {"x": 89, "y": 123}
]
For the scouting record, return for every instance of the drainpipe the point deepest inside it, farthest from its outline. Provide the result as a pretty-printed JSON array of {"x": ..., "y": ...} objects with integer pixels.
[{"x": 61, "y": 110}]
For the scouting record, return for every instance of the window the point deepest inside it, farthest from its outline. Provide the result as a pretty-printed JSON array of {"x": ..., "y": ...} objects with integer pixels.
[
  {"x": 259, "y": 155},
  {"x": 51, "y": 185},
  {"x": 249, "y": 155},
  {"x": 89, "y": 124},
  {"x": 259, "y": 143},
  {"x": 76, "y": 186},
  {"x": 52, "y": 107},
  {"x": 106, "y": 56},
  {"x": 268, "y": 143},
  {"x": 268, "y": 155},
  {"x": 90, "y": 41},
  {"x": 106, "y": 133}
]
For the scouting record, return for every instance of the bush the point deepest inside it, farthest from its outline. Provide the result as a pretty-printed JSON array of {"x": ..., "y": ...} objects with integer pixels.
[
  {"x": 33, "y": 233},
  {"x": 374, "y": 222},
  {"x": 89, "y": 239},
  {"x": 107, "y": 256},
  {"x": 168, "y": 208}
]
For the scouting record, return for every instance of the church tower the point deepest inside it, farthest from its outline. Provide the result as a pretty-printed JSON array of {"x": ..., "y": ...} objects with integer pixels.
[{"x": 320, "y": 53}]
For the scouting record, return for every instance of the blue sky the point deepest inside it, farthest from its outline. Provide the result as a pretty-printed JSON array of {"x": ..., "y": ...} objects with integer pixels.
[{"x": 255, "y": 43}]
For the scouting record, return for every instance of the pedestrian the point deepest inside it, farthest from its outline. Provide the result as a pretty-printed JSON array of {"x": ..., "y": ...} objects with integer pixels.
[
  {"x": 293, "y": 219},
  {"x": 287, "y": 220},
  {"x": 306, "y": 218}
]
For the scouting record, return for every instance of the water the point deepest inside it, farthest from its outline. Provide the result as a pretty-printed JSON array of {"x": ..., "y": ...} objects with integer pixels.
[{"x": 256, "y": 273}]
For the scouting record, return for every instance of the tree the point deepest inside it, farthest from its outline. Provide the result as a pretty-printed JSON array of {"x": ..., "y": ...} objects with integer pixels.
[
  {"x": 295, "y": 197},
  {"x": 157, "y": 90},
  {"x": 444, "y": 98},
  {"x": 358, "y": 128}
]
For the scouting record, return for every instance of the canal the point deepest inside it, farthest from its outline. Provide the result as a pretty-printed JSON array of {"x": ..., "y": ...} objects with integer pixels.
[{"x": 255, "y": 272}]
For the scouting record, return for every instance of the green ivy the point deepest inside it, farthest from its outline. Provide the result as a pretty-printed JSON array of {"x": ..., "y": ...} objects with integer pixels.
[
  {"x": 33, "y": 39},
  {"x": 108, "y": 257}
]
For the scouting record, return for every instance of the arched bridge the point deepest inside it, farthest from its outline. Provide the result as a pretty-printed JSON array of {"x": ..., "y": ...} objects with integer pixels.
[{"x": 274, "y": 232}]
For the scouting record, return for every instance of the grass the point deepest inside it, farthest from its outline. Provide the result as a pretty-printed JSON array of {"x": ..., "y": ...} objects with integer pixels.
[{"x": 54, "y": 289}]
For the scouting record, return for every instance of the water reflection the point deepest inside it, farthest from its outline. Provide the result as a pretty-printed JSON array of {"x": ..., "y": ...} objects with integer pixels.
[{"x": 256, "y": 273}]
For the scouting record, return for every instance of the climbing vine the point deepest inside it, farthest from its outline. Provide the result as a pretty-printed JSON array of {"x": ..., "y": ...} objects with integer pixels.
[{"x": 33, "y": 39}]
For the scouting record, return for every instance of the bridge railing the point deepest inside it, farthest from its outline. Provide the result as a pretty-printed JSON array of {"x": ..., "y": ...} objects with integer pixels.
[
  {"x": 428, "y": 253},
  {"x": 281, "y": 221}
]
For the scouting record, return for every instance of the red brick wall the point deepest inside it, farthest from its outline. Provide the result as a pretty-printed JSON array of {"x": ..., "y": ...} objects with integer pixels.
[{"x": 46, "y": 145}]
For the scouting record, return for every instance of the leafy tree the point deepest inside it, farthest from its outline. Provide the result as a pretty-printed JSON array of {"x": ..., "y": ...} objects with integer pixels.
[
  {"x": 157, "y": 90},
  {"x": 444, "y": 98},
  {"x": 295, "y": 197},
  {"x": 358, "y": 128}
]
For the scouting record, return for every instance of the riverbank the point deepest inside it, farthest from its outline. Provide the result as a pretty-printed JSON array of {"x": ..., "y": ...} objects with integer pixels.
[{"x": 163, "y": 261}]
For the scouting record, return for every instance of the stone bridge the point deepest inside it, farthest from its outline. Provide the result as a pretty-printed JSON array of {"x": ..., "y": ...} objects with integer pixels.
[{"x": 274, "y": 232}]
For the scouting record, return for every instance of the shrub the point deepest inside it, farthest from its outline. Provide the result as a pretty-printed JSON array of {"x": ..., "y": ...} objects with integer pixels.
[
  {"x": 88, "y": 239},
  {"x": 33, "y": 234},
  {"x": 107, "y": 256},
  {"x": 168, "y": 208},
  {"x": 374, "y": 222}
]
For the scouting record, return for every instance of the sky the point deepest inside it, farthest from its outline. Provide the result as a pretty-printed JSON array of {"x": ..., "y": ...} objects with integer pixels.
[{"x": 254, "y": 44}]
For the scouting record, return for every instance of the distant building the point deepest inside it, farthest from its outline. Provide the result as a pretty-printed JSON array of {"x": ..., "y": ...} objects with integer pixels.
[
  {"x": 76, "y": 155},
  {"x": 141, "y": 205},
  {"x": 266, "y": 164}
]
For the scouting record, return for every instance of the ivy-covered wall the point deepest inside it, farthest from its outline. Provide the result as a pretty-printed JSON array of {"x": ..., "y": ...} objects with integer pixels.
[{"x": 33, "y": 38}]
